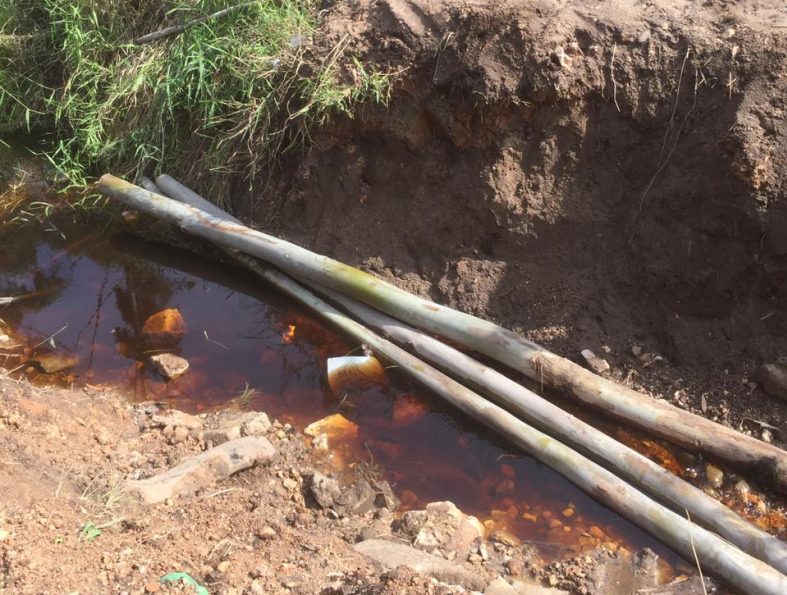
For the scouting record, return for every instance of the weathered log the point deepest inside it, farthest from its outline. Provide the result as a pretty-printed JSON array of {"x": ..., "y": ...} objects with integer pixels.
[
  {"x": 527, "y": 405},
  {"x": 662, "y": 419}
]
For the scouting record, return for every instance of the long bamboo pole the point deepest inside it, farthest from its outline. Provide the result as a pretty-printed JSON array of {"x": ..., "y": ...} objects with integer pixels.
[
  {"x": 684, "y": 428},
  {"x": 530, "y": 407}
]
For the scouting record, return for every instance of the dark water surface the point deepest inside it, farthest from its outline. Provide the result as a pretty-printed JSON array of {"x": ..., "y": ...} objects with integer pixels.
[{"x": 251, "y": 347}]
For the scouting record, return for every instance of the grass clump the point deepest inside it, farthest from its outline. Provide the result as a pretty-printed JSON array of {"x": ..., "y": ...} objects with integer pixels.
[{"x": 219, "y": 101}]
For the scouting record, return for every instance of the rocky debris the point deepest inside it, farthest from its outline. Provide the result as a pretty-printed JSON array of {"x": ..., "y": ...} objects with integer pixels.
[
  {"x": 324, "y": 489},
  {"x": 55, "y": 361},
  {"x": 177, "y": 419},
  {"x": 357, "y": 499},
  {"x": 389, "y": 555},
  {"x": 773, "y": 378},
  {"x": 715, "y": 475},
  {"x": 605, "y": 571},
  {"x": 246, "y": 424},
  {"x": 443, "y": 528},
  {"x": 170, "y": 366},
  {"x": 598, "y": 364},
  {"x": 385, "y": 496},
  {"x": 204, "y": 469},
  {"x": 321, "y": 443},
  {"x": 165, "y": 328},
  {"x": 336, "y": 427}
]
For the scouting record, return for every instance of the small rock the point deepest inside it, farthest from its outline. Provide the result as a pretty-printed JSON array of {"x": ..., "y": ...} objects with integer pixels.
[
  {"x": 336, "y": 426},
  {"x": 500, "y": 586},
  {"x": 505, "y": 538},
  {"x": 324, "y": 489},
  {"x": 56, "y": 361},
  {"x": 170, "y": 366},
  {"x": 385, "y": 496},
  {"x": 223, "y": 566},
  {"x": 203, "y": 469},
  {"x": 560, "y": 57},
  {"x": 767, "y": 436},
  {"x": 598, "y": 364},
  {"x": 267, "y": 533},
  {"x": 255, "y": 424},
  {"x": 165, "y": 328},
  {"x": 596, "y": 532},
  {"x": 773, "y": 378},
  {"x": 358, "y": 499},
  {"x": 177, "y": 419},
  {"x": 320, "y": 443},
  {"x": 442, "y": 526},
  {"x": 152, "y": 587},
  {"x": 742, "y": 488},
  {"x": 644, "y": 37},
  {"x": 389, "y": 555},
  {"x": 180, "y": 434},
  {"x": 4, "y": 534},
  {"x": 715, "y": 475}
]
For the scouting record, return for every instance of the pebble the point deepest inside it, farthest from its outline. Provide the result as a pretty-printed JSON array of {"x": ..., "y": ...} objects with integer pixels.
[
  {"x": 767, "y": 436},
  {"x": 596, "y": 532},
  {"x": 598, "y": 364},
  {"x": 223, "y": 566},
  {"x": 181, "y": 434},
  {"x": 152, "y": 587},
  {"x": 267, "y": 532},
  {"x": 715, "y": 475},
  {"x": 773, "y": 378},
  {"x": 568, "y": 512},
  {"x": 4, "y": 534},
  {"x": 742, "y": 488},
  {"x": 529, "y": 517},
  {"x": 320, "y": 443}
]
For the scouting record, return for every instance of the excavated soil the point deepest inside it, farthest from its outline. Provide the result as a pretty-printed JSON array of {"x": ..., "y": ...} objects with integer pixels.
[{"x": 606, "y": 176}]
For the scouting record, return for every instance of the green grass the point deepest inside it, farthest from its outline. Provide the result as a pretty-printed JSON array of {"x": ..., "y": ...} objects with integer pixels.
[{"x": 216, "y": 104}]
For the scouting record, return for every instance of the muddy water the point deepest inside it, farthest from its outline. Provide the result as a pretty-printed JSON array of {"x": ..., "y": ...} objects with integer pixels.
[{"x": 249, "y": 347}]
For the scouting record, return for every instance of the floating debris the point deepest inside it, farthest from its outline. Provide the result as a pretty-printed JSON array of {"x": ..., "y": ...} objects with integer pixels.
[{"x": 357, "y": 370}]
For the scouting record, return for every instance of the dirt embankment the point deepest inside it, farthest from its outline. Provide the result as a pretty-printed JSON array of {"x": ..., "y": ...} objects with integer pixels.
[{"x": 607, "y": 175}]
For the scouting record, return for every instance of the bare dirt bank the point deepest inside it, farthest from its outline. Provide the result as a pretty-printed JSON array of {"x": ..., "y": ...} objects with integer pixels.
[{"x": 589, "y": 176}]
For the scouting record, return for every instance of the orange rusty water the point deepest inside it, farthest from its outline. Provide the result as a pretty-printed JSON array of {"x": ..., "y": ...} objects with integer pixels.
[{"x": 252, "y": 348}]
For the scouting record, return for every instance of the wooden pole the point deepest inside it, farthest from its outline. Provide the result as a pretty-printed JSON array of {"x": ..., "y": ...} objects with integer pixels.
[{"x": 662, "y": 419}]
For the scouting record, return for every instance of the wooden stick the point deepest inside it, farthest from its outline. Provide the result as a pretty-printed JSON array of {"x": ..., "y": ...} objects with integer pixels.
[
  {"x": 530, "y": 407},
  {"x": 175, "y": 29},
  {"x": 657, "y": 417}
]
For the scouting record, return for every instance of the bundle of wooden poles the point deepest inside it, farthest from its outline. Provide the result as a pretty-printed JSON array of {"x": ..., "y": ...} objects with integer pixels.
[{"x": 394, "y": 325}]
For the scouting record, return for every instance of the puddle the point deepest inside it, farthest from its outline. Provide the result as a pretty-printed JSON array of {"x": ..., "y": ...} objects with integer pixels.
[{"x": 250, "y": 347}]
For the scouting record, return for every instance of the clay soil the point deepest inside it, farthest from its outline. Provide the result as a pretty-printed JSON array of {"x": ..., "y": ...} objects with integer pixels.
[
  {"x": 601, "y": 176},
  {"x": 607, "y": 175}
]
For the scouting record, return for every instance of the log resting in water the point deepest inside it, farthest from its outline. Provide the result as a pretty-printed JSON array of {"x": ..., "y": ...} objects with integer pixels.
[
  {"x": 657, "y": 417},
  {"x": 530, "y": 407}
]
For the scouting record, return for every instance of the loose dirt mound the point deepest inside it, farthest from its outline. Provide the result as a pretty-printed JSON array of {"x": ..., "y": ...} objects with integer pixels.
[{"x": 590, "y": 176}]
